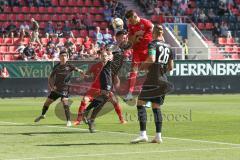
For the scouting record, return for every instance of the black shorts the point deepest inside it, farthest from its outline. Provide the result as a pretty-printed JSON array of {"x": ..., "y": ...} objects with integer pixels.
[
  {"x": 55, "y": 95},
  {"x": 155, "y": 92}
]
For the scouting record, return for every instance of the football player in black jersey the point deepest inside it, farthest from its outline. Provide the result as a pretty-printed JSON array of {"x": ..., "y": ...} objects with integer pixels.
[
  {"x": 58, "y": 82},
  {"x": 158, "y": 63}
]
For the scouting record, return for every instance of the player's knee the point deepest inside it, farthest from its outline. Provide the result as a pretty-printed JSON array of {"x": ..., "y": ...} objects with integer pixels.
[{"x": 155, "y": 106}]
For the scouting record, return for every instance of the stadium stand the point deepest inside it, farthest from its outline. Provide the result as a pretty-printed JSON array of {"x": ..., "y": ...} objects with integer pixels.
[
  {"x": 60, "y": 19},
  {"x": 219, "y": 21}
]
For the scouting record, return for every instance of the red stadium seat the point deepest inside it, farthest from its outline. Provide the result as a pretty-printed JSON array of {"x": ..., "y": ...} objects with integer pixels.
[
  {"x": 79, "y": 41},
  {"x": 103, "y": 25},
  {"x": 201, "y": 26},
  {"x": 72, "y": 3},
  {"x": 12, "y": 17},
  {"x": 80, "y": 3},
  {"x": 230, "y": 41},
  {"x": 12, "y": 49},
  {"x": 222, "y": 41},
  {"x": 76, "y": 10},
  {"x": 75, "y": 33},
  {"x": 44, "y": 41},
  {"x": 228, "y": 49},
  {"x": 96, "y": 3},
  {"x": 209, "y": 26},
  {"x": 50, "y": 10},
  {"x": 25, "y": 9},
  {"x": 8, "y": 41},
  {"x": 16, "y": 9},
  {"x": 84, "y": 10},
  {"x": 59, "y": 10},
  {"x": 3, "y": 16},
  {"x": 42, "y": 25},
  {"x": 3, "y": 49},
  {"x": 93, "y": 10},
  {"x": 63, "y": 3},
  {"x": 8, "y": 57},
  {"x": 88, "y": 3},
  {"x": 21, "y": 17},
  {"x": 154, "y": 18},
  {"x": 83, "y": 33},
  {"x": 16, "y": 41},
  {"x": 55, "y": 2},
  {"x": 67, "y": 10},
  {"x": 7, "y": 9},
  {"x": 1, "y": 57},
  {"x": 46, "y": 17},
  {"x": 38, "y": 17},
  {"x": 55, "y": 17},
  {"x": 189, "y": 11},
  {"x": 63, "y": 40},
  {"x": 99, "y": 17},
  {"x": 25, "y": 41},
  {"x": 42, "y": 9},
  {"x": 235, "y": 49},
  {"x": 63, "y": 17},
  {"x": 33, "y": 10}
]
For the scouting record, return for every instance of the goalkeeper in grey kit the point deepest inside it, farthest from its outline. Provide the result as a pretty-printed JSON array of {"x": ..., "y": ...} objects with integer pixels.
[{"x": 58, "y": 82}]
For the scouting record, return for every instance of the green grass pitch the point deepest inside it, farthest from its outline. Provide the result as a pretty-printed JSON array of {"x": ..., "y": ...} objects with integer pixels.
[{"x": 196, "y": 127}]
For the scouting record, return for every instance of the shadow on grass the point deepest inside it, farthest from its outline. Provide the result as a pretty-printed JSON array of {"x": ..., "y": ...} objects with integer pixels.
[
  {"x": 82, "y": 144},
  {"x": 44, "y": 133}
]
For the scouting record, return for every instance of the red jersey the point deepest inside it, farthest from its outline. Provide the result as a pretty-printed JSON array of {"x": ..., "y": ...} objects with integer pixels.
[
  {"x": 96, "y": 69},
  {"x": 146, "y": 26}
]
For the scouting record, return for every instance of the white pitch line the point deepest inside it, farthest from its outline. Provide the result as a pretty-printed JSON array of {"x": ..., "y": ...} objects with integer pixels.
[
  {"x": 130, "y": 134},
  {"x": 128, "y": 153}
]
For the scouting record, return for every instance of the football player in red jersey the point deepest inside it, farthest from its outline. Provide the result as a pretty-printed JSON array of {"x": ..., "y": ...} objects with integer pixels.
[
  {"x": 140, "y": 35},
  {"x": 94, "y": 91}
]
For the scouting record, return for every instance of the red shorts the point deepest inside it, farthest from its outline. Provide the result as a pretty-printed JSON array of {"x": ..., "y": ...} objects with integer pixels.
[
  {"x": 92, "y": 93},
  {"x": 139, "y": 57}
]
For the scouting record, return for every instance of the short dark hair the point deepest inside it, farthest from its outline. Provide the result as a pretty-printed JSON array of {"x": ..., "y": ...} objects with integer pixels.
[
  {"x": 121, "y": 32},
  {"x": 63, "y": 52},
  {"x": 158, "y": 29},
  {"x": 129, "y": 14}
]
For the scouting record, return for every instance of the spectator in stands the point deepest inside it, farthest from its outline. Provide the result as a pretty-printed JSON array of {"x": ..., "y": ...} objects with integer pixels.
[
  {"x": 216, "y": 32},
  {"x": 4, "y": 72},
  {"x": 29, "y": 2},
  {"x": 224, "y": 29},
  {"x": 88, "y": 22},
  {"x": 107, "y": 13},
  {"x": 51, "y": 49},
  {"x": 29, "y": 52},
  {"x": 67, "y": 31},
  {"x": 196, "y": 15},
  {"x": 77, "y": 22},
  {"x": 20, "y": 48},
  {"x": 183, "y": 6},
  {"x": 87, "y": 43},
  {"x": 118, "y": 8},
  {"x": 24, "y": 30},
  {"x": 13, "y": 3},
  {"x": 35, "y": 33},
  {"x": 165, "y": 8},
  {"x": 202, "y": 16},
  {"x": 185, "y": 48},
  {"x": 98, "y": 37},
  {"x": 11, "y": 30},
  {"x": 222, "y": 8},
  {"x": 59, "y": 30},
  {"x": 49, "y": 30},
  {"x": 70, "y": 47},
  {"x": 212, "y": 16},
  {"x": 107, "y": 37}
]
